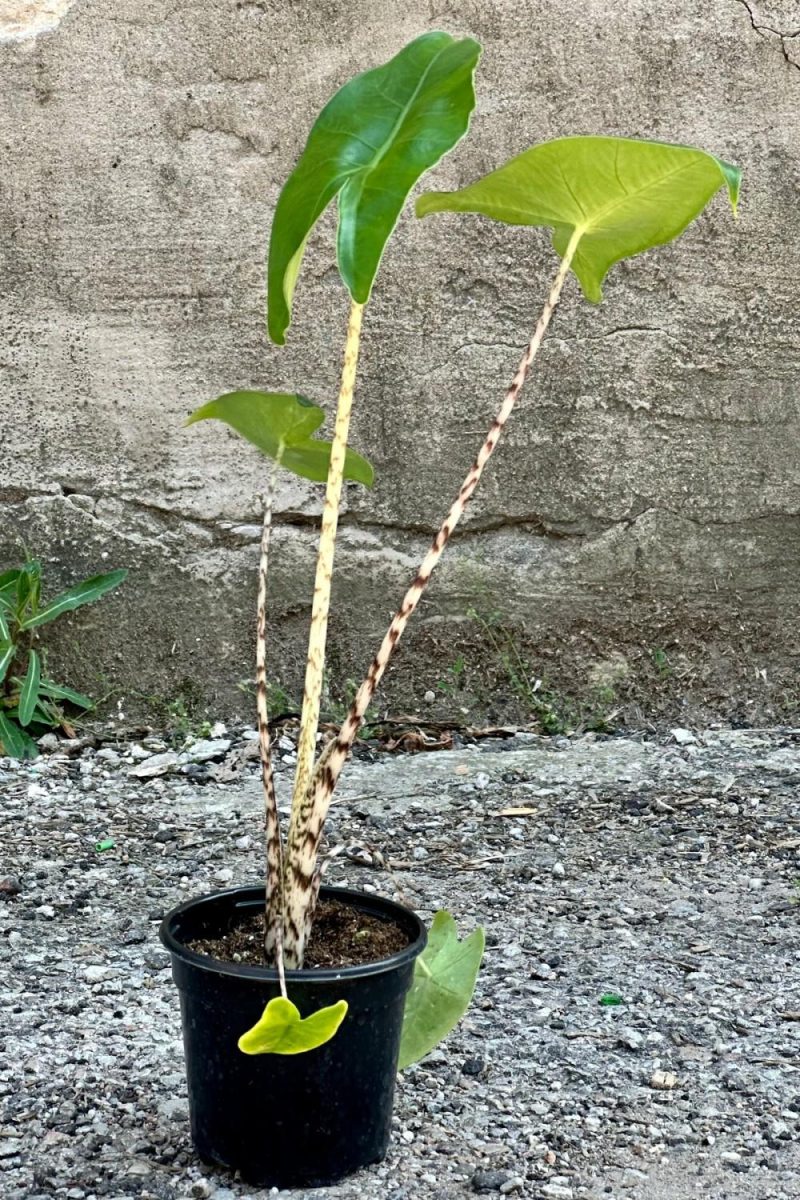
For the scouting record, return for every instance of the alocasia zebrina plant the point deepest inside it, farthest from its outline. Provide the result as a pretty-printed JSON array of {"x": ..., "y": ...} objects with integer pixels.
[
  {"x": 605, "y": 199},
  {"x": 368, "y": 148}
]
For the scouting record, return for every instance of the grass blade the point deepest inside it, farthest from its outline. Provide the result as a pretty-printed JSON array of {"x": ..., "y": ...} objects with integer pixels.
[
  {"x": 7, "y": 654},
  {"x": 55, "y": 691},
  {"x": 83, "y": 593},
  {"x": 30, "y": 689}
]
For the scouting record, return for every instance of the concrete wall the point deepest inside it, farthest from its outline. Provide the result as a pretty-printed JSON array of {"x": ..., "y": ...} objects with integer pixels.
[{"x": 648, "y": 493}]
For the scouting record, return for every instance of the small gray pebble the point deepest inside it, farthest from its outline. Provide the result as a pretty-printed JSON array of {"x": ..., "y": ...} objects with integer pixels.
[
  {"x": 631, "y": 1038},
  {"x": 488, "y": 1181}
]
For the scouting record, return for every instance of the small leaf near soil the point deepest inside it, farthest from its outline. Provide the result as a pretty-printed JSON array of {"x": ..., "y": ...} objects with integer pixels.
[
  {"x": 281, "y": 1029},
  {"x": 56, "y": 691},
  {"x": 444, "y": 980}
]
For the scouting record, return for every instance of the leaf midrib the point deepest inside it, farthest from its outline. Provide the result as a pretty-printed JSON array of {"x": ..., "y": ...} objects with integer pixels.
[
  {"x": 405, "y": 111},
  {"x": 593, "y": 225}
]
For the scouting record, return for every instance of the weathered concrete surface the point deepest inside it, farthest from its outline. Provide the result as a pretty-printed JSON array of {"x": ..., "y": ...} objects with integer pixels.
[
  {"x": 648, "y": 492},
  {"x": 23, "y": 19}
]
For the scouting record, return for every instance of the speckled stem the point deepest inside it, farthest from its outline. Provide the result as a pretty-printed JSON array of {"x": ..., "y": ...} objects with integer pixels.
[
  {"x": 325, "y": 779},
  {"x": 274, "y": 895},
  {"x": 301, "y": 848}
]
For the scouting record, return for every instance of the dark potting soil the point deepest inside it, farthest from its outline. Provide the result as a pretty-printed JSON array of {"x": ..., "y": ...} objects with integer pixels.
[{"x": 341, "y": 937}]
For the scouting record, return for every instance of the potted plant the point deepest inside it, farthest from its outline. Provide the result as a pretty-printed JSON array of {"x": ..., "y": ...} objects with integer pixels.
[
  {"x": 259, "y": 1034},
  {"x": 306, "y": 1098}
]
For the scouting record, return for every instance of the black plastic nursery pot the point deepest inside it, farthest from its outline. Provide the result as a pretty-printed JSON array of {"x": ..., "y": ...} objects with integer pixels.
[{"x": 289, "y": 1120}]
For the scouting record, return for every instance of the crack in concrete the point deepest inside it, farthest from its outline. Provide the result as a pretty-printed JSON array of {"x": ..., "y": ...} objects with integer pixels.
[
  {"x": 235, "y": 534},
  {"x": 764, "y": 30},
  {"x": 231, "y": 531}
]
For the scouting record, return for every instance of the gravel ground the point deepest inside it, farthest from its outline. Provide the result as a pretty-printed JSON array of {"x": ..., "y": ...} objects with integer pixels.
[{"x": 661, "y": 873}]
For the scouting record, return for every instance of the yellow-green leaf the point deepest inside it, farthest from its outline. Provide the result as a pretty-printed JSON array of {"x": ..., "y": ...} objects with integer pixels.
[
  {"x": 269, "y": 420},
  {"x": 621, "y": 195},
  {"x": 281, "y": 1029}
]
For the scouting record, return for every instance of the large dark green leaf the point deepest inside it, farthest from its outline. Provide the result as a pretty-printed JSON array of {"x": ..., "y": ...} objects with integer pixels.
[
  {"x": 5, "y": 631},
  {"x": 444, "y": 980},
  {"x": 369, "y": 146},
  {"x": 83, "y": 593},
  {"x": 29, "y": 692},
  {"x": 620, "y": 195},
  {"x": 14, "y": 741},
  {"x": 279, "y": 424}
]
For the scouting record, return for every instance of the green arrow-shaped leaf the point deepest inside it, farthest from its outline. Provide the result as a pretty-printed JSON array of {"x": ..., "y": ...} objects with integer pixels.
[
  {"x": 444, "y": 980},
  {"x": 269, "y": 420},
  {"x": 280, "y": 425},
  {"x": 83, "y": 593},
  {"x": 281, "y": 1029},
  {"x": 369, "y": 146},
  {"x": 621, "y": 195},
  {"x": 29, "y": 692}
]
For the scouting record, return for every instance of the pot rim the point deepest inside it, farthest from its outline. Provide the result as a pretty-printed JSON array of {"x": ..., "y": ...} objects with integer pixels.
[{"x": 215, "y": 966}]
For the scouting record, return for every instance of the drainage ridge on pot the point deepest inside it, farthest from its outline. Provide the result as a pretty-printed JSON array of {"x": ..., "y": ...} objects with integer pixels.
[{"x": 297, "y": 1120}]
